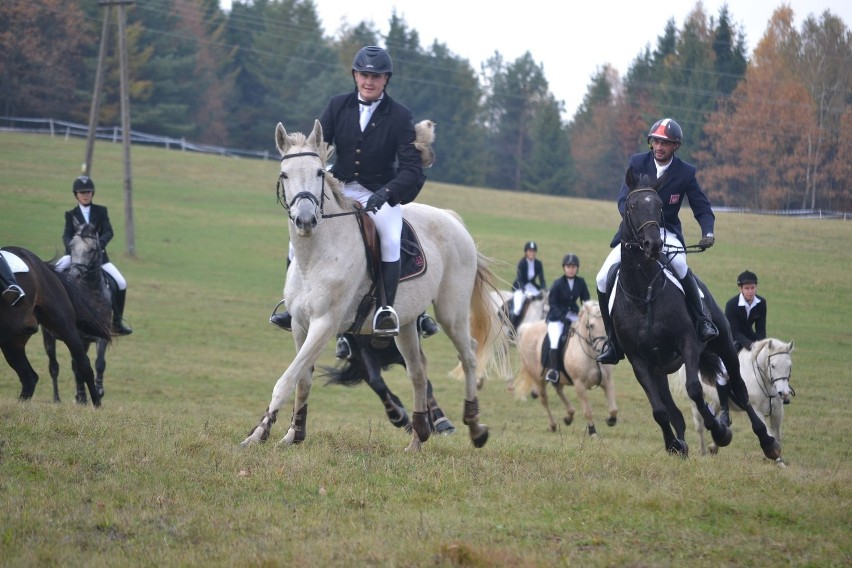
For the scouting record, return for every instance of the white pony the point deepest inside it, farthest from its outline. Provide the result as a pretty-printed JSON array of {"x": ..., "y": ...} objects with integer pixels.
[
  {"x": 329, "y": 280},
  {"x": 766, "y": 370},
  {"x": 586, "y": 341}
]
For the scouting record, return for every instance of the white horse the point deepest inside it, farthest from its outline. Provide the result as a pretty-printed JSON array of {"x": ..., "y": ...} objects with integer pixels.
[
  {"x": 535, "y": 307},
  {"x": 586, "y": 341},
  {"x": 766, "y": 370},
  {"x": 329, "y": 280}
]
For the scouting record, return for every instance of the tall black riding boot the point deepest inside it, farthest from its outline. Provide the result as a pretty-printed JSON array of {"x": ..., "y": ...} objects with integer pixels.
[
  {"x": 612, "y": 354},
  {"x": 552, "y": 367},
  {"x": 12, "y": 292},
  {"x": 386, "y": 322},
  {"x": 118, "y": 326},
  {"x": 703, "y": 324}
]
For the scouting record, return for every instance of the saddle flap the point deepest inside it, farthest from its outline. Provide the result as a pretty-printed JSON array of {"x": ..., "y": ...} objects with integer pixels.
[{"x": 15, "y": 262}]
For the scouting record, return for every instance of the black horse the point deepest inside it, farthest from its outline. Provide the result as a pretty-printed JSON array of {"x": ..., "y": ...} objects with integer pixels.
[
  {"x": 59, "y": 304},
  {"x": 366, "y": 364},
  {"x": 86, "y": 261},
  {"x": 656, "y": 332}
]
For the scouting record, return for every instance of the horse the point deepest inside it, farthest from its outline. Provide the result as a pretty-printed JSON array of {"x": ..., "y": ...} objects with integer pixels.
[
  {"x": 656, "y": 331},
  {"x": 366, "y": 364},
  {"x": 86, "y": 260},
  {"x": 57, "y": 303},
  {"x": 586, "y": 339},
  {"x": 329, "y": 280},
  {"x": 766, "y": 370},
  {"x": 535, "y": 308}
]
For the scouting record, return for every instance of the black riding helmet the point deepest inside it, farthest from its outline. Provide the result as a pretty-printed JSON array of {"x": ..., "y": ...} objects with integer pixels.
[
  {"x": 530, "y": 246},
  {"x": 666, "y": 129},
  {"x": 571, "y": 259},
  {"x": 83, "y": 183},
  {"x": 372, "y": 59},
  {"x": 746, "y": 277}
]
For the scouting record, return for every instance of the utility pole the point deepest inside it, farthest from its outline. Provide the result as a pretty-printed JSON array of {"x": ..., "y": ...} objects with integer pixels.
[{"x": 129, "y": 227}]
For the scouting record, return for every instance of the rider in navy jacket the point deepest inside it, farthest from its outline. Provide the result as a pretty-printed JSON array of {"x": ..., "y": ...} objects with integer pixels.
[{"x": 675, "y": 181}]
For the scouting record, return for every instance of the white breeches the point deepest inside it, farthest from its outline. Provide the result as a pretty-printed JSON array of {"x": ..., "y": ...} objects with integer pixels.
[
  {"x": 520, "y": 296},
  {"x": 65, "y": 262},
  {"x": 677, "y": 264},
  {"x": 554, "y": 332},
  {"x": 388, "y": 220}
]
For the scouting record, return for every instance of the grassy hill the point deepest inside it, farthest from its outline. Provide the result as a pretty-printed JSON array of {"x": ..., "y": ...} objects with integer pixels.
[{"x": 155, "y": 475}]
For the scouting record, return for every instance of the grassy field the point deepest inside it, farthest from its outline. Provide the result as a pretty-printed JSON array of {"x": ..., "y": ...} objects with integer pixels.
[{"x": 156, "y": 478}]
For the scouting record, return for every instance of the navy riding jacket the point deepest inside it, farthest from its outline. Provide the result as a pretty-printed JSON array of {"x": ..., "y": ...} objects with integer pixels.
[
  {"x": 746, "y": 329},
  {"x": 383, "y": 155},
  {"x": 99, "y": 217},
  {"x": 679, "y": 184},
  {"x": 563, "y": 299}
]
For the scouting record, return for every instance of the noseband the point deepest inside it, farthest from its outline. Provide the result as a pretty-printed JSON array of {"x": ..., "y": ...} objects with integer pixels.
[
  {"x": 634, "y": 231},
  {"x": 280, "y": 196}
]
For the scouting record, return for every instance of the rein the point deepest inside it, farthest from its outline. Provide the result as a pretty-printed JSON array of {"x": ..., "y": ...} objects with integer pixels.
[
  {"x": 318, "y": 203},
  {"x": 590, "y": 343}
]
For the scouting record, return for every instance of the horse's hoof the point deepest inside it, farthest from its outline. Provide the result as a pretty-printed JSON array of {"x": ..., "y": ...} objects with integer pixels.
[
  {"x": 592, "y": 431},
  {"x": 553, "y": 427},
  {"x": 444, "y": 426},
  {"x": 568, "y": 419},
  {"x": 611, "y": 421},
  {"x": 722, "y": 435},
  {"x": 414, "y": 445},
  {"x": 678, "y": 448},
  {"x": 772, "y": 449},
  {"x": 420, "y": 423},
  {"x": 482, "y": 437},
  {"x": 780, "y": 462},
  {"x": 713, "y": 449}
]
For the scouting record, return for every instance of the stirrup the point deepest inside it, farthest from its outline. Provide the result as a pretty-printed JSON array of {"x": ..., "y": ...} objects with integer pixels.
[
  {"x": 386, "y": 316},
  {"x": 552, "y": 377},
  {"x": 344, "y": 350},
  {"x": 282, "y": 320},
  {"x": 13, "y": 294}
]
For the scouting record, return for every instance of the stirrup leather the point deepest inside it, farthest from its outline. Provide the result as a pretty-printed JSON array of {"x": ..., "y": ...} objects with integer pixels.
[{"x": 385, "y": 313}]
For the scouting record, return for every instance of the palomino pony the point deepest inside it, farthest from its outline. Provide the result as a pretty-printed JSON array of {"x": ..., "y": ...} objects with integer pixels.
[
  {"x": 766, "y": 370},
  {"x": 60, "y": 305},
  {"x": 655, "y": 330},
  {"x": 366, "y": 364},
  {"x": 586, "y": 339},
  {"x": 85, "y": 269},
  {"x": 329, "y": 280}
]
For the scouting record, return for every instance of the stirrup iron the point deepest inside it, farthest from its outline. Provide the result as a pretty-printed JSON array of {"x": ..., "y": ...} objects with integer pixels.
[{"x": 383, "y": 314}]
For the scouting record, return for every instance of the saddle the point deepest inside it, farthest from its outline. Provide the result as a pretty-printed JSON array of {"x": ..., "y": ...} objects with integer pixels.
[
  {"x": 15, "y": 262},
  {"x": 567, "y": 331},
  {"x": 412, "y": 262}
]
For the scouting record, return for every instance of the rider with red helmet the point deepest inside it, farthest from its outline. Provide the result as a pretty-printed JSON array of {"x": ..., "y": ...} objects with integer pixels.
[{"x": 675, "y": 181}]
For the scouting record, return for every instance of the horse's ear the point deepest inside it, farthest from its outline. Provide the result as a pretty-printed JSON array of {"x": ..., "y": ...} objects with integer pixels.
[
  {"x": 630, "y": 179},
  {"x": 281, "y": 138},
  {"x": 791, "y": 346},
  {"x": 315, "y": 139},
  {"x": 77, "y": 225}
]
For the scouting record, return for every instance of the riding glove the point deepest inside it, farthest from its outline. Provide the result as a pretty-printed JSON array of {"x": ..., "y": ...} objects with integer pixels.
[
  {"x": 378, "y": 199},
  {"x": 707, "y": 241}
]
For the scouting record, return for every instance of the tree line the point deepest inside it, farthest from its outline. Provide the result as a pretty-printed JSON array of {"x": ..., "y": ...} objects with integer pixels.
[{"x": 770, "y": 129}]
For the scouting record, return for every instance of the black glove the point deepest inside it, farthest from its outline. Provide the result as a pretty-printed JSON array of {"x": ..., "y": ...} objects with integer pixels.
[
  {"x": 378, "y": 199},
  {"x": 706, "y": 241}
]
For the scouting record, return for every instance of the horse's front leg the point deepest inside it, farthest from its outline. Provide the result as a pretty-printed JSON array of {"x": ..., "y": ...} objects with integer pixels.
[
  {"x": 298, "y": 373},
  {"x": 608, "y": 385},
  {"x": 408, "y": 343},
  {"x": 722, "y": 435},
  {"x": 643, "y": 374},
  {"x": 52, "y": 362},
  {"x": 569, "y": 408},
  {"x": 739, "y": 394},
  {"x": 100, "y": 365},
  {"x": 16, "y": 355}
]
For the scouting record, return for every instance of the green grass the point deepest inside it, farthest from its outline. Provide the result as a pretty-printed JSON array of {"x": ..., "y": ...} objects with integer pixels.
[{"x": 156, "y": 477}]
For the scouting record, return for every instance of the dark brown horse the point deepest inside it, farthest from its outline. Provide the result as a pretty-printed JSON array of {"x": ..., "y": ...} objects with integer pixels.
[
  {"x": 366, "y": 364},
  {"x": 59, "y": 304},
  {"x": 656, "y": 332}
]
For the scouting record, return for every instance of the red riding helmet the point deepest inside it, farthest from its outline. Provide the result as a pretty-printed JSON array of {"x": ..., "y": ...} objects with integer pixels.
[{"x": 666, "y": 129}]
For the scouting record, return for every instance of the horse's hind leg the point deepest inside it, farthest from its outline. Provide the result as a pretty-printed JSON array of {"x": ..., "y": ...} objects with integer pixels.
[
  {"x": 569, "y": 408},
  {"x": 16, "y": 355},
  {"x": 52, "y": 362},
  {"x": 459, "y": 332}
]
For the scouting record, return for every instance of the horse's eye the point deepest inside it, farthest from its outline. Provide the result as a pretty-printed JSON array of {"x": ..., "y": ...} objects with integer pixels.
[{"x": 282, "y": 175}]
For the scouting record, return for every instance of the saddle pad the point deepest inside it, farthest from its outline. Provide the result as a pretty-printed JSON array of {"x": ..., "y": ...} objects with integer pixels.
[
  {"x": 669, "y": 274},
  {"x": 15, "y": 262},
  {"x": 412, "y": 260}
]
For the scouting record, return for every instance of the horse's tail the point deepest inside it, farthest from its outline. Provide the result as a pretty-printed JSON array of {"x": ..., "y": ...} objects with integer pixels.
[
  {"x": 486, "y": 325},
  {"x": 709, "y": 367},
  {"x": 91, "y": 315},
  {"x": 349, "y": 375}
]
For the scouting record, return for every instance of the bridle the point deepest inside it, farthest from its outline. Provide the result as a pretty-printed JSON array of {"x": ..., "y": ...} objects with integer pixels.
[
  {"x": 633, "y": 230},
  {"x": 767, "y": 378},
  {"x": 318, "y": 203}
]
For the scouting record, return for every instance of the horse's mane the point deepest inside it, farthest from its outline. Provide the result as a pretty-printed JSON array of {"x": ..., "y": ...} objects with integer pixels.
[{"x": 325, "y": 152}]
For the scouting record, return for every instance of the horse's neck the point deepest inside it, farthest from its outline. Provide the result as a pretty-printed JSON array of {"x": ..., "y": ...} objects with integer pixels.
[{"x": 637, "y": 272}]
